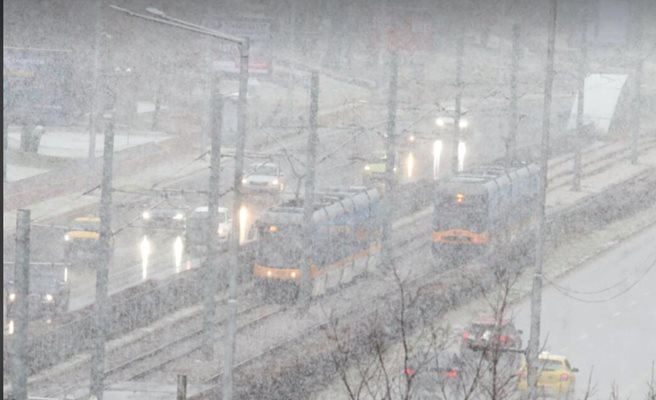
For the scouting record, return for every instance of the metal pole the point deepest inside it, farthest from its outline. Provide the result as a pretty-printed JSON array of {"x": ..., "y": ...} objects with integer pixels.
[
  {"x": 308, "y": 204},
  {"x": 511, "y": 154},
  {"x": 638, "y": 82},
  {"x": 102, "y": 264},
  {"x": 182, "y": 388},
  {"x": 94, "y": 94},
  {"x": 536, "y": 293},
  {"x": 456, "y": 123},
  {"x": 236, "y": 225},
  {"x": 211, "y": 266},
  {"x": 580, "y": 104},
  {"x": 21, "y": 279},
  {"x": 5, "y": 147},
  {"x": 390, "y": 162}
]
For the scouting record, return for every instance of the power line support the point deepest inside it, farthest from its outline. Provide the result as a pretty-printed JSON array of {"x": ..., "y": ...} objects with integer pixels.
[
  {"x": 236, "y": 223},
  {"x": 637, "y": 103},
  {"x": 536, "y": 293},
  {"x": 21, "y": 280},
  {"x": 102, "y": 264},
  {"x": 181, "y": 388},
  {"x": 94, "y": 94},
  {"x": 511, "y": 150},
  {"x": 5, "y": 147},
  {"x": 211, "y": 274},
  {"x": 580, "y": 102},
  {"x": 460, "y": 49},
  {"x": 308, "y": 203},
  {"x": 390, "y": 163}
]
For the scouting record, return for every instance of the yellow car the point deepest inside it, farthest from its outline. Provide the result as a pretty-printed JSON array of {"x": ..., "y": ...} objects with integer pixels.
[
  {"x": 555, "y": 377},
  {"x": 82, "y": 239}
]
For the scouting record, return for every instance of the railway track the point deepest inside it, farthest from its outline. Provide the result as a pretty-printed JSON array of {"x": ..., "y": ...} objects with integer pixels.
[{"x": 128, "y": 364}]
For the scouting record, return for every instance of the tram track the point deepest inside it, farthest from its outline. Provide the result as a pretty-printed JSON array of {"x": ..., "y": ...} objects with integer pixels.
[{"x": 153, "y": 359}]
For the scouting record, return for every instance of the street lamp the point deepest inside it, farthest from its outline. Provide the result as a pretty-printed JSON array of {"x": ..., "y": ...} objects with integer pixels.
[{"x": 243, "y": 43}]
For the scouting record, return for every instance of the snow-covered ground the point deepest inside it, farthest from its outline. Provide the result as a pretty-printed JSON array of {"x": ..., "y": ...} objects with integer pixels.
[
  {"x": 18, "y": 172},
  {"x": 72, "y": 143}
]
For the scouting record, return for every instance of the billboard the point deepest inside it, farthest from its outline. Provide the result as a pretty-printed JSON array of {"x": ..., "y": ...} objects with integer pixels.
[
  {"x": 37, "y": 84},
  {"x": 258, "y": 30}
]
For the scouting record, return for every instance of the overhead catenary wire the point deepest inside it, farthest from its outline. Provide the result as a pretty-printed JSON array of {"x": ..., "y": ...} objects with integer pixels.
[{"x": 568, "y": 293}]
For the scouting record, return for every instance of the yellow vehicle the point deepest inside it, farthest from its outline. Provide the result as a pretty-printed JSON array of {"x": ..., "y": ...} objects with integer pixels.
[
  {"x": 555, "y": 377},
  {"x": 82, "y": 240}
]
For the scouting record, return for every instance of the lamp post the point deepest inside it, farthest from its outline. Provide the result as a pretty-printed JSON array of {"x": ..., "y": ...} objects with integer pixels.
[{"x": 243, "y": 44}]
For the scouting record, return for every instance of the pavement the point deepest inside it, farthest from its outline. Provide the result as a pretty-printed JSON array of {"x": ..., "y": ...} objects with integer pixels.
[{"x": 582, "y": 268}]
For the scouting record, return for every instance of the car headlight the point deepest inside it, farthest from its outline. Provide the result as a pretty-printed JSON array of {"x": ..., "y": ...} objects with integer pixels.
[
  {"x": 12, "y": 297},
  {"x": 145, "y": 215},
  {"x": 48, "y": 298},
  {"x": 275, "y": 182},
  {"x": 367, "y": 168},
  {"x": 67, "y": 238},
  {"x": 178, "y": 216},
  {"x": 439, "y": 122},
  {"x": 244, "y": 181},
  {"x": 222, "y": 231},
  {"x": 411, "y": 138},
  {"x": 463, "y": 123}
]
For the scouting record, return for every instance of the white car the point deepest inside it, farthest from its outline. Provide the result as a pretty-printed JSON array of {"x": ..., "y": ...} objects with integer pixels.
[
  {"x": 443, "y": 127},
  {"x": 446, "y": 118},
  {"x": 263, "y": 177}
]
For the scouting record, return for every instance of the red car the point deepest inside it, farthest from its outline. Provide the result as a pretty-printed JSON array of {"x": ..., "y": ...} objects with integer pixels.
[{"x": 485, "y": 333}]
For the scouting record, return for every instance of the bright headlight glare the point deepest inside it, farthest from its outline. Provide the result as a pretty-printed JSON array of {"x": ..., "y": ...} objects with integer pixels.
[
  {"x": 145, "y": 215},
  {"x": 411, "y": 138},
  {"x": 66, "y": 237},
  {"x": 244, "y": 181},
  {"x": 274, "y": 182},
  {"x": 439, "y": 122},
  {"x": 178, "y": 216},
  {"x": 367, "y": 167},
  {"x": 12, "y": 297},
  {"x": 463, "y": 123},
  {"x": 48, "y": 298}
]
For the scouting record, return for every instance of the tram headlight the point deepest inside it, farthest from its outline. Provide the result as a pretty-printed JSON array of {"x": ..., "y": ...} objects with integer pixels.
[
  {"x": 48, "y": 298},
  {"x": 67, "y": 238}
]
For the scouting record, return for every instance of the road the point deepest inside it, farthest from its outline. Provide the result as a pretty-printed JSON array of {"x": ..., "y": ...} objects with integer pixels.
[
  {"x": 340, "y": 154},
  {"x": 602, "y": 317}
]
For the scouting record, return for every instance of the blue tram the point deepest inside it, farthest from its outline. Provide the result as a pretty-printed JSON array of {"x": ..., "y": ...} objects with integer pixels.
[
  {"x": 488, "y": 206},
  {"x": 345, "y": 241}
]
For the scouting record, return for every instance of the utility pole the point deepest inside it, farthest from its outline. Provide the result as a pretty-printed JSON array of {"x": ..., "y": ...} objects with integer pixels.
[
  {"x": 511, "y": 150},
  {"x": 181, "y": 392},
  {"x": 580, "y": 102},
  {"x": 102, "y": 264},
  {"x": 308, "y": 203},
  {"x": 291, "y": 82},
  {"x": 390, "y": 162},
  {"x": 638, "y": 82},
  {"x": 456, "y": 123},
  {"x": 94, "y": 94},
  {"x": 236, "y": 224},
  {"x": 5, "y": 126},
  {"x": 210, "y": 278},
  {"x": 536, "y": 293},
  {"x": 21, "y": 280},
  {"x": 5, "y": 147}
]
